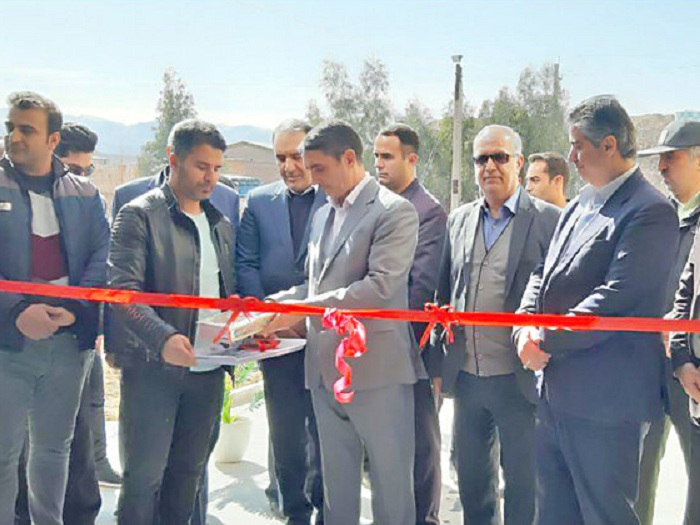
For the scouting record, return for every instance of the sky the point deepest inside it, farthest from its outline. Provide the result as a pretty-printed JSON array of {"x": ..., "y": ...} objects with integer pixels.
[{"x": 258, "y": 62}]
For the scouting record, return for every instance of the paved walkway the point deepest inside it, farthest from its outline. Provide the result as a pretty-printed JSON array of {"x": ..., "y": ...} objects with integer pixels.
[{"x": 236, "y": 490}]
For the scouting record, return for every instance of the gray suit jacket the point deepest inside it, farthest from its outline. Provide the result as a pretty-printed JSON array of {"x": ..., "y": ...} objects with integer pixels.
[
  {"x": 366, "y": 267},
  {"x": 533, "y": 227}
]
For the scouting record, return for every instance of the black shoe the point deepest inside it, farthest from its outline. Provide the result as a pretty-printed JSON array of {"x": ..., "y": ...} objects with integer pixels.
[{"x": 107, "y": 477}]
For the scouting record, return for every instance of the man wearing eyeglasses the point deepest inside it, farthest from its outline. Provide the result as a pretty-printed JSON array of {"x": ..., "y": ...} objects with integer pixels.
[{"x": 492, "y": 246}]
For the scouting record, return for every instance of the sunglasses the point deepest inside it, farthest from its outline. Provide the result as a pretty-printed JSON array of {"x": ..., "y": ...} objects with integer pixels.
[
  {"x": 498, "y": 158},
  {"x": 79, "y": 170}
]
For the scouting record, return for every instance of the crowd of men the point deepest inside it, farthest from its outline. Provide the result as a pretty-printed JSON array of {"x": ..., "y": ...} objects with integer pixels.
[{"x": 576, "y": 421}]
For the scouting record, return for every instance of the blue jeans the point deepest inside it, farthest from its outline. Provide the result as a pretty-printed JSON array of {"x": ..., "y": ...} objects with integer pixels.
[{"x": 40, "y": 390}]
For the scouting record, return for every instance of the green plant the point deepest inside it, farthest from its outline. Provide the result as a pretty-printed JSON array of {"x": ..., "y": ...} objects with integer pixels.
[{"x": 240, "y": 375}]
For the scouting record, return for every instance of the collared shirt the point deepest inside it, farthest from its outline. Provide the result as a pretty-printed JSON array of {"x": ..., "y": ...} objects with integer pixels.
[
  {"x": 493, "y": 226},
  {"x": 592, "y": 199},
  {"x": 341, "y": 211},
  {"x": 687, "y": 209}
]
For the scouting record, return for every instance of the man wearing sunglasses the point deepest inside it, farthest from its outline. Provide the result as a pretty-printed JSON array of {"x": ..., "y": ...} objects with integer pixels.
[{"x": 492, "y": 246}]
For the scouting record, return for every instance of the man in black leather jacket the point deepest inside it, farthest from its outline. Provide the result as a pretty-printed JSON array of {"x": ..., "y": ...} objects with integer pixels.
[{"x": 170, "y": 240}]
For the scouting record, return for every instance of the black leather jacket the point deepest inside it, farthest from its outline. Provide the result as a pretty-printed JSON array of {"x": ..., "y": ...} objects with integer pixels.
[{"x": 155, "y": 248}]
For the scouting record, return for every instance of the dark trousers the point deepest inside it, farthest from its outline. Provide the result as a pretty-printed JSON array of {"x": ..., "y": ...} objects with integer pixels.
[
  {"x": 427, "y": 477},
  {"x": 201, "y": 501},
  {"x": 95, "y": 387},
  {"x": 82, "y": 499},
  {"x": 587, "y": 472},
  {"x": 494, "y": 423},
  {"x": 167, "y": 418},
  {"x": 294, "y": 438},
  {"x": 653, "y": 451}
]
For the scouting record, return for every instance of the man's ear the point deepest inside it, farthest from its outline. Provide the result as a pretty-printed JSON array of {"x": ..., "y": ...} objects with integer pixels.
[
  {"x": 172, "y": 158},
  {"x": 609, "y": 145},
  {"x": 413, "y": 158},
  {"x": 349, "y": 157},
  {"x": 53, "y": 140}
]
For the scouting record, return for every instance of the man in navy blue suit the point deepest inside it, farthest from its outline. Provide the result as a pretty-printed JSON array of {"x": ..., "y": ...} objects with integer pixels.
[
  {"x": 224, "y": 199},
  {"x": 272, "y": 247},
  {"x": 610, "y": 256}
]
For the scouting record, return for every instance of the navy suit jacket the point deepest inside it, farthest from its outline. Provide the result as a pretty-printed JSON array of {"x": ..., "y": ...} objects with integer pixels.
[
  {"x": 223, "y": 198},
  {"x": 264, "y": 253},
  {"x": 617, "y": 266},
  {"x": 432, "y": 224}
]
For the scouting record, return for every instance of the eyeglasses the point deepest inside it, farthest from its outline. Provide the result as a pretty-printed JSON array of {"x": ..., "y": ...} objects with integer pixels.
[
  {"x": 75, "y": 169},
  {"x": 498, "y": 158}
]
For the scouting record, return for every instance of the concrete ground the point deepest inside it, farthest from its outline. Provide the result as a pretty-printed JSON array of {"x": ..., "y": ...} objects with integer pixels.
[{"x": 236, "y": 490}]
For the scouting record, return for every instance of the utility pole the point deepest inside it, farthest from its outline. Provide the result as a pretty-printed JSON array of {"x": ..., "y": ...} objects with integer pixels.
[{"x": 456, "y": 183}]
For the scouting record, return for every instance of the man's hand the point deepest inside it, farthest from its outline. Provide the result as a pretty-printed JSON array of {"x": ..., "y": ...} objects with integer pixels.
[
  {"x": 689, "y": 376},
  {"x": 36, "y": 322},
  {"x": 529, "y": 352},
  {"x": 62, "y": 316},
  {"x": 178, "y": 351},
  {"x": 280, "y": 322}
]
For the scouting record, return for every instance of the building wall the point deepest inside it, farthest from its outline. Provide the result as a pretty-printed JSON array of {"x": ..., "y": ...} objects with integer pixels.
[
  {"x": 108, "y": 177},
  {"x": 251, "y": 160}
]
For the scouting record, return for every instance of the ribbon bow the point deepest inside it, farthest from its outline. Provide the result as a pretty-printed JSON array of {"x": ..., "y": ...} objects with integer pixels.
[
  {"x": 440, "y": 315},
  {"x": 352, "y": 345}
]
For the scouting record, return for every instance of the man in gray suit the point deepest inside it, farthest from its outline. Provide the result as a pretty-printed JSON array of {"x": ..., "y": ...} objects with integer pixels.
[
  {"x": 492, "y": 246},
  {"x": 361, "y": 249}
]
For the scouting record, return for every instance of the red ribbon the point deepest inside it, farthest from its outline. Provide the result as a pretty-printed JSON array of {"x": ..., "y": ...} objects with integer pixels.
[
  {"x": 441, "y": 316},
  {"x": 345, "y": 321},
  {"x": 260, "y": 344},
  {"x": 353, "y": 345}
]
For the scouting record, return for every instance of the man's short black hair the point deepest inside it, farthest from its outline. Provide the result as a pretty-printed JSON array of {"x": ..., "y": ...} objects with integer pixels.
[
  {"x": 556, "y": 164},
  {"x": 188, "y": 134},
  {"x": 24, "y": 100},
  {"x": 76, "y": 138},
  {"x": 410, "y": 143},
  {"x": 601, "y": 116},
  {"x": 292, "y": 125},
  {"x": 334, "y": 138}
]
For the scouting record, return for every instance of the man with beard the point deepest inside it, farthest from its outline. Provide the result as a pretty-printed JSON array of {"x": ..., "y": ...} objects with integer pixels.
[
  {"x": 170, "y": 406},
  {"x": 57, "y": 229}
]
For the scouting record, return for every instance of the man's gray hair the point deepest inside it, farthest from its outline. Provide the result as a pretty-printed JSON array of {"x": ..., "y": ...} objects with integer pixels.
[
  {"x": 292, "y": 125},
  {"x": 601, "y": 116},
  {"x": 508, "y": 131},
  {"x": 694, "y": 152}
]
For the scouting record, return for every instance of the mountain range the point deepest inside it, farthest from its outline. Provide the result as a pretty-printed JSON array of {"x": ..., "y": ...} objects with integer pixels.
[{"x": 125, "y": 140}]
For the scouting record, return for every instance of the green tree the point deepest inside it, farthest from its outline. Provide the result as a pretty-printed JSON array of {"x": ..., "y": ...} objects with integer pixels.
[
  {"x": 364, "y": 104},
  {"x": 176, "y": 103}
]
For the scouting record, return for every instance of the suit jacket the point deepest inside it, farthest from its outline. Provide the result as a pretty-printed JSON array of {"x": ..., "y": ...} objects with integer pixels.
[
  {"x": 533, "y": 226},
  {"x": 265, "y": 255},
  {"x": 432, "y": 223},
  {"x": 685, "y": 347},
  {"x": 617, "y": 266},
  {"x": 223, "y": 198},
  {"x": 367, "y": 266}
]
